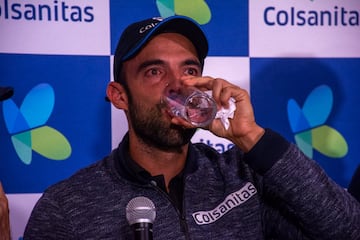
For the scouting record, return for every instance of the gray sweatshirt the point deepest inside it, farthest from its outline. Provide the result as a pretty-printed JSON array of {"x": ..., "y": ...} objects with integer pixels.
[{"x": 272, "y": 192}]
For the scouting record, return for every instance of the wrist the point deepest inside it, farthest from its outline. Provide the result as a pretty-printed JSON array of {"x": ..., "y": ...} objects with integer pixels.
[
  {"x": 272, "y": 145},
  {"x": 247, "y": 141}
]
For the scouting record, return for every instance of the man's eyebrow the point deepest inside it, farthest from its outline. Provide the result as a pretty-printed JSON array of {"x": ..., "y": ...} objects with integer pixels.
[
  {"x": 149, "y": 63},
  {"x": 188, "y": 62},
  {"x": 192, "y": 62}
]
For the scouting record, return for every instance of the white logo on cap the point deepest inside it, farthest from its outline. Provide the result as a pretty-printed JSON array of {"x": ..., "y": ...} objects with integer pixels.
[
  {"x": 158, "y": 18},
  {"x": 151, "y": 25}
]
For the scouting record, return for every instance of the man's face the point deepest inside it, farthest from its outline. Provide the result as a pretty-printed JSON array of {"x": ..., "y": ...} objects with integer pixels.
[{"x": 163, "y": 61}]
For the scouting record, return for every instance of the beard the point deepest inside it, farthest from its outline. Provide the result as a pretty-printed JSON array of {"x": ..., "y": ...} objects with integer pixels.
[{"x": 150, "y": 125}]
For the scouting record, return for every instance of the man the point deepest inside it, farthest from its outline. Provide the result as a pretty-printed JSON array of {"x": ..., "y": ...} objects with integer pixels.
[
  {"x": 263, "y": 188},
  {"x": 5, "y": 93},
  {"x": 4, "y": 216},
  {"x": 354, "y": 186}
]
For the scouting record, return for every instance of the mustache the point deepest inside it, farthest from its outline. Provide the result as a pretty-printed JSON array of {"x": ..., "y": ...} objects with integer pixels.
[{"x": 161, "y": 105}]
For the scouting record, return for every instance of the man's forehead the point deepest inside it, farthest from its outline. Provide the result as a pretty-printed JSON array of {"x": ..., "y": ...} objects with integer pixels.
[{"x": 168, "y": 43}]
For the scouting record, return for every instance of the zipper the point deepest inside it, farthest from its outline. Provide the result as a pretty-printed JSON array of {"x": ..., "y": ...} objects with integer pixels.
[{"x": 183, "y": 224}]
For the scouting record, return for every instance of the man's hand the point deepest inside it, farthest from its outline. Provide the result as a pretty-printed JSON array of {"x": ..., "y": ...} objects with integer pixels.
[
  {"x": 4, "y": 216},
  {"x": 243, "y": 130}
]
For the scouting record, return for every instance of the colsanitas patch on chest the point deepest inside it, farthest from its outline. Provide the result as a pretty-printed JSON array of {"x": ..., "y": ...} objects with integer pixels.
[{"x": 233, "y": 200}]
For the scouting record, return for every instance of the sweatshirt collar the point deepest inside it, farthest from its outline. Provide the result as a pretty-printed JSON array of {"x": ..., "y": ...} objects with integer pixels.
[{"x": 128, "y": 168}]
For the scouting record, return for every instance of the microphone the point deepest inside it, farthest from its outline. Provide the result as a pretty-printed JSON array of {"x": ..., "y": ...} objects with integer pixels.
[
  {"x": 140, "y": 214},
  {"x": 6, "y": 93}
]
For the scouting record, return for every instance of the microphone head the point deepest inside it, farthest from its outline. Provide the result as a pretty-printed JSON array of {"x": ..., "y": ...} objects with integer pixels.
[{"x": 140, "y": 210}]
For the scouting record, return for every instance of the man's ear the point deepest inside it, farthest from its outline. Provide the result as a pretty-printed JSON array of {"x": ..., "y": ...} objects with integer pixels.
[{"x": 117, "y": 95}]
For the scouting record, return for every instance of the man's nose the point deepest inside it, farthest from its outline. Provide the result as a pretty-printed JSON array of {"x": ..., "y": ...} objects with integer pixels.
[{"x": 174, "y": 81}]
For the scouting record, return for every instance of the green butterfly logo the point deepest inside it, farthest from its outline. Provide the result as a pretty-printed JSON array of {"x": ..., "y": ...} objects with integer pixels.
[
  {"x": 27, "y": 126},
  {"x": 309, "y": 124},
  {"x": 195, "y": 9}
]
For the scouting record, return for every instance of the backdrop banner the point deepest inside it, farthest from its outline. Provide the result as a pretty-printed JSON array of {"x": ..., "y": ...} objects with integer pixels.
[{"x": 299, "y": 59}]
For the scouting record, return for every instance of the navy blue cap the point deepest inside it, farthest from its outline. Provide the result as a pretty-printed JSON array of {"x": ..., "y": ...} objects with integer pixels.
[{"x": 136, "y": 35}]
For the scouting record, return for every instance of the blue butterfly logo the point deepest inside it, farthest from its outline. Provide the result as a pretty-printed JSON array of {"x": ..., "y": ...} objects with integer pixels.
[
  {"x": 27, "y": 126},
  {"x": 308, "y": 124}
]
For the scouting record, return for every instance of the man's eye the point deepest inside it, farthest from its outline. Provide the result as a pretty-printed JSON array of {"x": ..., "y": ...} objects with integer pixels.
[
  {"x": 191, "y": 71},
  {"x": 154, "y": 71}
]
